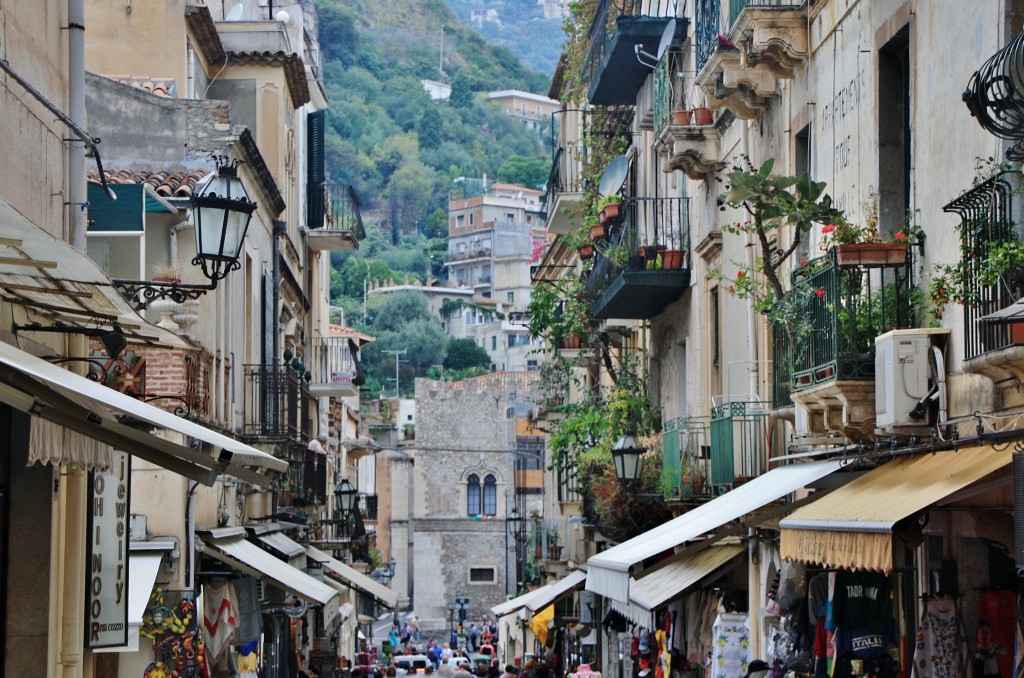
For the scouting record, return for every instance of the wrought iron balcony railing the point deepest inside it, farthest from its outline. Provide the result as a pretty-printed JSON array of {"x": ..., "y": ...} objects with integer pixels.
[
  {"x": 707, "y": 29},
  {"x": 739, "y": 441},
  {"x": 275, "y": 404},
  {"x": 334, "y": 368},
  {"x": 987, "y": 214},
  {"x": 368, "y": 502},
  {"x": 839, "y": 312},
  {"x": 343, "y": 211},
  {"x": 685, "y": 448},
  {"x": 650, "y": 229}
]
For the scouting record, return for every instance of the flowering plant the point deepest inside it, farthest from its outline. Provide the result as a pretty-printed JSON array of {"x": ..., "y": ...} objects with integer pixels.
[{"x": 845, "y": 233}]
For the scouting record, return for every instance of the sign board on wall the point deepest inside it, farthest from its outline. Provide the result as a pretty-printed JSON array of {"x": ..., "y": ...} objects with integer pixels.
[{"x": 106, "y": 582}]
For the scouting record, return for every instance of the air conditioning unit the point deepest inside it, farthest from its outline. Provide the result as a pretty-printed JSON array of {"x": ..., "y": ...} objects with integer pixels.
[
  {"x": 588, "y": 607},
  {"x": 905, "y": 378},
  {"x": 262, "y": 594}
]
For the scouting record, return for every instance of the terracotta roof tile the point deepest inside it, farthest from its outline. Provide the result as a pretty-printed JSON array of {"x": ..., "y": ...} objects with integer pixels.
[
  {"x": 164, "y": 87},
  {"x": 205, "y": 30},
  {"x": 294, "y": 70},
  {"x": 166, "y": 183}
]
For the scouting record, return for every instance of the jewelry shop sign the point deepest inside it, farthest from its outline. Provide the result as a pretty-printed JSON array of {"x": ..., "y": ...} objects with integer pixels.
[{"x": 106, "y": 613}]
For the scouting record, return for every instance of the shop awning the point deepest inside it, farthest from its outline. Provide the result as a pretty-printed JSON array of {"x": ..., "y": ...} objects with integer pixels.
[
  {"x": 382, "y": 594},
  {"x": 54, "y": 282},
  {"x": 251, "y": 559},
  {"x": 519, "y": 602},
  {"x": 283, "y": 544},
  {"x": 608, "y": 572},
  {"x": 37, "y": 387},
  {"x": 852, "y": 528},
  {"x": 557, "y": 590},
  {"x": 662, "y": 585}
]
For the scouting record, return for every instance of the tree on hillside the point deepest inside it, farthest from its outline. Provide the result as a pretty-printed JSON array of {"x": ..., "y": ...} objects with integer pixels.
[
  {"x": 462, "y": 94},
  {"x": 437, "y": 224},
  {"x": 463, "y": 354},
  {"x": 339, "y": 38},
  {"x": 429, "y": 128},
  {"x": 395, "y": 310},
  {"x": 407, "y": 194},
  {"x": 524, "y": 171}
]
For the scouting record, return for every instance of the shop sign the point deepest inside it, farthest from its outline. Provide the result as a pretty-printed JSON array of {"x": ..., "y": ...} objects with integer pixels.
[{"x": 106, "y": 582}]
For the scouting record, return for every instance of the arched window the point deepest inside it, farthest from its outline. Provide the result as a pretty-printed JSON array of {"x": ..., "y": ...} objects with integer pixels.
[
  {"x": 490, "y": 496},
  {"x": 473, "y": 495}
]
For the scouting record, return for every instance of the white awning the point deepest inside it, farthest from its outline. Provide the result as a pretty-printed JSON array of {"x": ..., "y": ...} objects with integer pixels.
[
  {"x": 609, "y": 571},
  {"x": 37, "y": 387},
  {"x": 666, "y": 583},
  {"x": 251, "y": 559},
  {"x": 556, "y": 590},
  {"x": 283, "y": 544},
  {"x": 382, "y": 594},
  {"x": 142, "y": 571},
  {"x": 510, "y": 606}
]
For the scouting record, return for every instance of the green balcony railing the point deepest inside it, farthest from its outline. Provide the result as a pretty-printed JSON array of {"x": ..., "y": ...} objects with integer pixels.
[
  {"x": 840, "y": 311},
  {"x": 685, "y": 449},
  {"x": 740, "y": 434}
]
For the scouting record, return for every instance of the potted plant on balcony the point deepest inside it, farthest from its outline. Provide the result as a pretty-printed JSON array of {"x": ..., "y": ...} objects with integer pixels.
[
  {"x": 595, "y": 226},
  {"x": 554, "y": 547},
  {"x": 702, "y": 115},
  {"x": 862, "y": 245},
  {"x": 609, "y": 208}
]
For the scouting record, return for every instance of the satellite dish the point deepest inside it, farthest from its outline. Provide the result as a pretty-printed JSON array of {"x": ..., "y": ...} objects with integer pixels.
[
  {"x": 614, "y": 176},
  {"x": 235, "y": 14},
  {"x": 667, "y": 38}
]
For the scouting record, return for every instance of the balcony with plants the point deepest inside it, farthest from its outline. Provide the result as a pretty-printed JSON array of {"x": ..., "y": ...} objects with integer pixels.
[
  {"x": 987, "y": 279},
  {"x": 742, "y": 55},
  {"x": 644, "y": 263},
  {"x": 686, "y": 451},
  {"x": 613, "y": 32},
  {"x": 826, "y": 319},
  {"x": 685, "y": 138}
]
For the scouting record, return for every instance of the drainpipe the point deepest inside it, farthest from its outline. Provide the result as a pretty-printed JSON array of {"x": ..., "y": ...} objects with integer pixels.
[
  {"x": 76, "y": 108},
  {"x": 751, "y": 320}
]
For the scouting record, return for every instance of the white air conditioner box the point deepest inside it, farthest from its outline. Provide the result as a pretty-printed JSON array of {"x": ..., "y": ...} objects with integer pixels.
[{"x": 903, "y": 375}]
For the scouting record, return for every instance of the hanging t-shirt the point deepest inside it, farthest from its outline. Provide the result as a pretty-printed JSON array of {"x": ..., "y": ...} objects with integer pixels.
[
  {"x": 941, "y": 646},
  {"x": 817, "y": 597},
  {"x": 862, "y": 599},
  {"x": 731, "y": 652}
]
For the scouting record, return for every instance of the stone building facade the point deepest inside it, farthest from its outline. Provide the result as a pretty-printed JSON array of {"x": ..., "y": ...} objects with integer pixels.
[{"x": 465, "y": 445}]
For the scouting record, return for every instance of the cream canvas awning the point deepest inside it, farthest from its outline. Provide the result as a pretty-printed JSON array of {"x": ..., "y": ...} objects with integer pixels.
[
  {"x": 519, "y": 602},
  {"x": 609, "y": 572},
  {"x": 852, "y": 528},
  {"x": 557, "y": 590},
  {"x": 35, "y": 386},
  {"x": 246, "y": 557},
  {"x": 382, "y": 594}
]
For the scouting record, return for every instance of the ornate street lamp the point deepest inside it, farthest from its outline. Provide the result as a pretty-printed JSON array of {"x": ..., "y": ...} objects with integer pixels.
[
  {"x": 626, "y": 454},
  {"x": 222, "y": 212},
  {"x": 345, "y": 494}
]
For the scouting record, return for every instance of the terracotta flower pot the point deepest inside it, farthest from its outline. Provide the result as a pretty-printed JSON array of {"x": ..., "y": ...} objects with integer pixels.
[
  {"x": 702, "y": 116},
  {"x": 681, "y": 117},
  {"x": 585, "y": 251},
  {"x": 871, "y": 254},
  {"x": 672, "y": 259},
  {"x": 597, "y": 232}
]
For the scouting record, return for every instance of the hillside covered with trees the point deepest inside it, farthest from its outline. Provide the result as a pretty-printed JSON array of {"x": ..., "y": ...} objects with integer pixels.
[{"x": 402, "y": 152}]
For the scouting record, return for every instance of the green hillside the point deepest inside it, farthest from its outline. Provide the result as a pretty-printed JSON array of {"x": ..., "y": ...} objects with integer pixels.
[{"x": 402, "y": 152}]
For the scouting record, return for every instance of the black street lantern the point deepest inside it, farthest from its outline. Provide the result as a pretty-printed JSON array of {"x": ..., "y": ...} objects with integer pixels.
[
  {"x": 222, "y": 213},
  {"x": 346, "y": 497},
  {"x": 626, "y": 454}
]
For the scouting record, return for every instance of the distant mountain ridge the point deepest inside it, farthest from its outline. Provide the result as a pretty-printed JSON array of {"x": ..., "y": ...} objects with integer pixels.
[{"x": 530, "y": 29}]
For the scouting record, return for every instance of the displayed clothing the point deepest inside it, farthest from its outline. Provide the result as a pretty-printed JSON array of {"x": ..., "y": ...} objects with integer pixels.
[
  {"x": 817, "y": 597},
  {"x": 220, "y": 618},
  {"x": 941, "y": 645},
  {"x": 861, "y": 599},
  {"x": 867, "y": 641},
  {"x": 250, "y": 619},
  {"x": 731, "y": 652}
]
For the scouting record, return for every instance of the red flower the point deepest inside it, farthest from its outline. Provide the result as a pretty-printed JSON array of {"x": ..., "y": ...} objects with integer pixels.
[
  {"x": 828, "y": 228},
  {"x": 803, "y": 262},
  {"x": 732, "y": 289},
  {"x": 740, "y": 275},
  {"x": 820, "y": 292},
  {"x": 900, "y": 236}
]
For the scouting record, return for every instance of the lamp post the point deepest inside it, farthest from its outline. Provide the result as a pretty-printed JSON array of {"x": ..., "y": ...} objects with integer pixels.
[
  {"x": 513, "y": 521},
  {"x": 626, "y": 454},
  {"x": 345, "y": 501},
  {"x": 222, "y": 211},
  {"x": 385, "y": 573}
]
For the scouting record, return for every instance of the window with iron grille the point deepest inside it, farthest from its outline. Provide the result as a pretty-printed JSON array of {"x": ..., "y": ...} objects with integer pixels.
[
  {"x": 716, "y": 328},
  {"x": 481, "y": 575}
]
